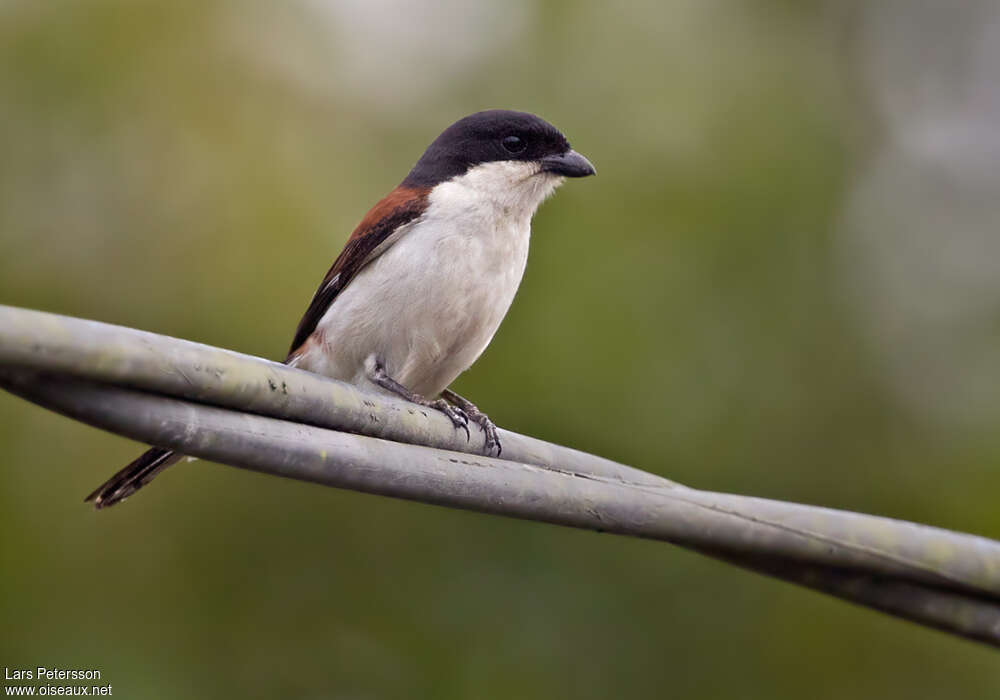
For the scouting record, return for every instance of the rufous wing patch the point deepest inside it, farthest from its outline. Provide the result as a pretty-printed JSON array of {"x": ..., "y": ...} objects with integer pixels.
[{"x": 398, "y": 208}]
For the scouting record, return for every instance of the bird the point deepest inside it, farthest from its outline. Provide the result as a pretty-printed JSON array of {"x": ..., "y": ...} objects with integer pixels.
[{"x": 425, "y": 279}]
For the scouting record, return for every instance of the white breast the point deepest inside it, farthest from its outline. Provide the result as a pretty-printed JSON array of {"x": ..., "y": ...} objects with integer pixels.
[{"x": 429, "y": 306}]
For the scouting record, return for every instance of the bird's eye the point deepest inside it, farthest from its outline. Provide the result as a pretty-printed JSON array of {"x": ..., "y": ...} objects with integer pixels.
[{"x": 514, "y": 144}]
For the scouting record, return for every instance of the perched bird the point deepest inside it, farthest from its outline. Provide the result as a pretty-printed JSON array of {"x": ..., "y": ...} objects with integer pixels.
[{"x": 427, "y": 276}]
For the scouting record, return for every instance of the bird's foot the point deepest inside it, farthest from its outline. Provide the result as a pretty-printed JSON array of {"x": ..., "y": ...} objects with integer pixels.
[
  {"x": 458, "y": 417},
  {"x": 473, "y": 413}
]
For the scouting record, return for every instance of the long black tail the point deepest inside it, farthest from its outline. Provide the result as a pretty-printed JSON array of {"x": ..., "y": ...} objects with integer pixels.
[{"x": 133, "y": 477}]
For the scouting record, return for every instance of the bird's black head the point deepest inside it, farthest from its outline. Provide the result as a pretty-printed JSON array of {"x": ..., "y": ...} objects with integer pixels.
[{"x": 497, "y": 135}]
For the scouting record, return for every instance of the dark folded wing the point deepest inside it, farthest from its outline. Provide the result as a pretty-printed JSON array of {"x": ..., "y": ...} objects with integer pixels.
[{"x": 371, "y": 238}]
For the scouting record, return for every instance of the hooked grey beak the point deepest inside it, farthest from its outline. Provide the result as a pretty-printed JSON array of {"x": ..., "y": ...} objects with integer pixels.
[{"x": 568, "y": 164}]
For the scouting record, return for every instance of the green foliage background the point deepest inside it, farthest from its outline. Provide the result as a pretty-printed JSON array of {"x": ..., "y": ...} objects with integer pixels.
[{"x": 193, "y": 168}]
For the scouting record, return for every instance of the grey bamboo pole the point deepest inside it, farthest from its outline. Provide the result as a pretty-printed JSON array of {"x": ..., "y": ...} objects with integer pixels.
[
  {"x": 943, "y": 579},
  {"x": 487, "y": 485},
  {"x": 158, "y": 363}
]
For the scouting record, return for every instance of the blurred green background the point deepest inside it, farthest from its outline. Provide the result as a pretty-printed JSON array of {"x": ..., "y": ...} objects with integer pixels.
[{"x": 784, "y": 282}]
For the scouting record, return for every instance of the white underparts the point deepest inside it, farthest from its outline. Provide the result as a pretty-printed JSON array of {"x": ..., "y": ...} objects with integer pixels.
[{"x": 428, "y": 306}]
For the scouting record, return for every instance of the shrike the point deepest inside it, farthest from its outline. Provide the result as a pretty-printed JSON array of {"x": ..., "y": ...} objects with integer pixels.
[{"x": 425, "y": 279}]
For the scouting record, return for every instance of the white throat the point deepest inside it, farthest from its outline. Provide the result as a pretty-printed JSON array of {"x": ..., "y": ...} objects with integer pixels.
[{"x": 513, "y": 189}]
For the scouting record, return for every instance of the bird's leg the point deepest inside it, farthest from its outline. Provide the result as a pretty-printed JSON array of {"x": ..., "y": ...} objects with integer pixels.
[
  {"x": 458, "y": 418},
  {"x": 478, "y": 417}
]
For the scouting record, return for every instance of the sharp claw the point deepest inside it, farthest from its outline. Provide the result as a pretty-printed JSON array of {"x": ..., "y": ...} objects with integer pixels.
[
  {"x": 458, "y": 417},
  {"x": 492, "y": 439},
  {"x": 474, "y": 415},
  {"x": 462, "y": 422}
]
